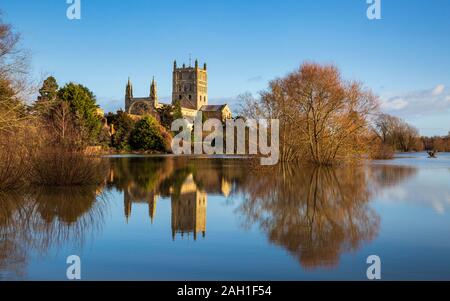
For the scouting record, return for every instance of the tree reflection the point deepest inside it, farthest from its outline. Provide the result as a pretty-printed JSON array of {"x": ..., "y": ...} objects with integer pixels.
[
  {"x": 314, "y": 213},
  {"x": 38, "y": 220},
  {"x": 383, "y": 176}
]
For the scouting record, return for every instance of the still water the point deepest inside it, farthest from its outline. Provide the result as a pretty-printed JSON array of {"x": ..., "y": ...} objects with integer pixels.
[{"x": 166, "y": 218}]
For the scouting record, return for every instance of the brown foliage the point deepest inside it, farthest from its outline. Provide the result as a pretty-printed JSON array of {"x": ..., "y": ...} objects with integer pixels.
[
  {"x": 440, "y": 144},
  {"x": 315, "y": 213},
  {"x": 14, "y": 157},
  {"x": 397, "y": 133},
  {"x": 381, "y": 151},
  {"x": 323, "y": 118},
  {"x": 60, "y": 166}
]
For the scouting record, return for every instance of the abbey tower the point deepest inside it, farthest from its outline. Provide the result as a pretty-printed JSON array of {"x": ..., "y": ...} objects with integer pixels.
[{"x": 190, "y": 86}]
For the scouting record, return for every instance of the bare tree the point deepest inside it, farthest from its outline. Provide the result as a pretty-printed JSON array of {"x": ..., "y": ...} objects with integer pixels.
[
  {"x": 323, "y": 118},
  {"x": 13, "y": 79},
  {"x": 13, "y": 59},
  {"x": 397, "y": 133}
]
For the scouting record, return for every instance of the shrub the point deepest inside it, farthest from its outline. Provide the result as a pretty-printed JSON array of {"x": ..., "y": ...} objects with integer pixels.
[
  {"x": 149, "y": 135},
  {"x": 123, "y": 126},
  {"x": 381, "y": 151},
  {"x": 13, "y": 164},
  {"x": 59, "y": 166}
]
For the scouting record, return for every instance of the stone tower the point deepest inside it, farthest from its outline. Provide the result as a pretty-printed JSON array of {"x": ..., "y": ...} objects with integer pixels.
[
  {"x": 128, "y": 95},
  {"x": 190, "y": 86}
]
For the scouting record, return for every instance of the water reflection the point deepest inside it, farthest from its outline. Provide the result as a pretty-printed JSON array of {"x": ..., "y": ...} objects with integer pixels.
[
  {"x": 433, "y": 191},
  {"x": 316, "y": 214},
  {"x": 384, "y": 176},
  {"x": 186, "y": 182},
  {"x": 45, "y": 218}
]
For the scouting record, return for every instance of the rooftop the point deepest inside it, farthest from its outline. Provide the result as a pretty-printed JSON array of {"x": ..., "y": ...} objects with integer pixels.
[{"x": 212, "y": 108}]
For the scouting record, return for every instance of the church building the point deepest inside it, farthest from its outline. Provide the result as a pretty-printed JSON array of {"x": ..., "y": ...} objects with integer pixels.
[{"x": 189, "y": 88}]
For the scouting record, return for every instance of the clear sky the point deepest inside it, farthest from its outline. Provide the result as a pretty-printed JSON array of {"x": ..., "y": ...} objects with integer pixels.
[{"x": 404, "y": 57}]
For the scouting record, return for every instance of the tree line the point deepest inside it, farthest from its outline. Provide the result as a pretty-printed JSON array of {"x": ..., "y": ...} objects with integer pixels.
[{"x": 400, "y": 136}]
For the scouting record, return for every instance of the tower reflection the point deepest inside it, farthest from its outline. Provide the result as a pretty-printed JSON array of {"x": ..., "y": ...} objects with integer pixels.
[
  {"x": 186, "y": 183},
  {"x": 189, "y": 209}
]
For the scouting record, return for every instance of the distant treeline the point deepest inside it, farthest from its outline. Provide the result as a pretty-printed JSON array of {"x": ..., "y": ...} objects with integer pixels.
[
  {"x": 440, "y": 144},
  {"x": 403, "y": 137}
]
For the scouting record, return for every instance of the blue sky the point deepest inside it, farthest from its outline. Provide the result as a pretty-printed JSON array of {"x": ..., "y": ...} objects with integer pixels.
[{"x": 404, "y": 58}]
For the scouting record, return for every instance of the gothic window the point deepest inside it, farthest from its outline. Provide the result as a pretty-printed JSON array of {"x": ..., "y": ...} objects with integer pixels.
[{"x": 140, "y": 108}]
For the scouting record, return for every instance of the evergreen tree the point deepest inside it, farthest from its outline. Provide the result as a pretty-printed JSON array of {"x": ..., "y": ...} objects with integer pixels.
[
  {"x": 48, "y": 96},
  {"x": 49, "y": 90},
  {"x": 123, "y": 126},
  {"x": 147, "y": 135},
  {"x": 83, "y": 105}
]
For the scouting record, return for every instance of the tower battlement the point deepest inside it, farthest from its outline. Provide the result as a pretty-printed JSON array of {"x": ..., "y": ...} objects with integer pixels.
[{"x": 190, "y": 86}]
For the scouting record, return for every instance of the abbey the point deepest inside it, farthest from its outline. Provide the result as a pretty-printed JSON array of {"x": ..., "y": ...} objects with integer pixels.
[{"x": 189, "y": 88}]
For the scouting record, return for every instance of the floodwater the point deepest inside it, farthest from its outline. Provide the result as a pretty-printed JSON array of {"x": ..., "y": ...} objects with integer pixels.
[{"x": 167, "y": 218}]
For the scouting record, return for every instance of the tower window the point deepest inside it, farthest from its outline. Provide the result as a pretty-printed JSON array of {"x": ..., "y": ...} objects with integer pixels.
[
  {"x": 179, "y": 97},
  {"x": 190, "y": 97}
]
